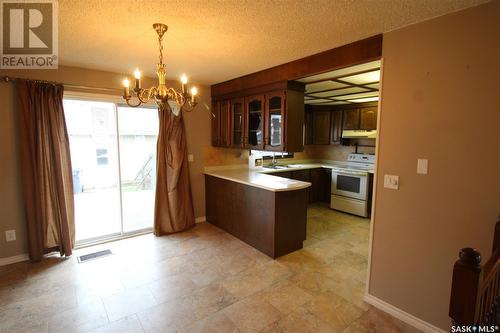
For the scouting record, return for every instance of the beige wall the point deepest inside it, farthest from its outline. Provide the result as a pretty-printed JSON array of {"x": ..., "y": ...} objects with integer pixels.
[
  {"x": 440, "y": 84},
  {"x": 12, "y": 215}
]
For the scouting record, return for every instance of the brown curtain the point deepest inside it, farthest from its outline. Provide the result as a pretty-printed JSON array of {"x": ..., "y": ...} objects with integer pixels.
[
  {"x": 45, "y": 168},
  {"x": 173, "y": 202}
]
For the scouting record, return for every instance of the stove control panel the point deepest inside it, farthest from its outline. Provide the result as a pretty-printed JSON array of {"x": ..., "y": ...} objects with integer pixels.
[{"x": 361, "y": 158}]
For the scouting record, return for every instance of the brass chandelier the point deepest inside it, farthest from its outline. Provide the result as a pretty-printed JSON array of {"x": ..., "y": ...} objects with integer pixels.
[{"x": 162, "y": 95}]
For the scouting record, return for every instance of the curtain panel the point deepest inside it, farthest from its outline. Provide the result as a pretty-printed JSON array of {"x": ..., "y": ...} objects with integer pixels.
[
  {"x": 173, "y": 201},
  {"x": 45, "y": 168}
]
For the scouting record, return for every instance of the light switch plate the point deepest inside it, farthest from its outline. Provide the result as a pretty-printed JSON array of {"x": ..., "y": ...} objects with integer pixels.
[
  {"x": 10, "y": 235},
  {"x": 391, "y": 181},
  {"x": 190, "y": 158},
  {"x": 422, "y": 166}
]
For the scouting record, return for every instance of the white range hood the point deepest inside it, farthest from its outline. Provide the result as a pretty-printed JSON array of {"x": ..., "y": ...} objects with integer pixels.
[{"x": 359, "y": 134}]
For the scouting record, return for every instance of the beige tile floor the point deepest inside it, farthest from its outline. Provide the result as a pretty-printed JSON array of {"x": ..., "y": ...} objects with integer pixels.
[{"x": 203, "y": 280}]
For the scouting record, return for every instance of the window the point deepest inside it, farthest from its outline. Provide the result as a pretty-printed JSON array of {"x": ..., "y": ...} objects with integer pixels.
[{"x": 102, "y": 156}]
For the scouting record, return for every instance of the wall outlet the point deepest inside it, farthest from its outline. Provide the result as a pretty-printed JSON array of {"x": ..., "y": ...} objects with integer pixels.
[
  {"x": 391, "y": 181},
  {"x": 10, "y": 235},
  {"x": 190, "y": 158},
  {"x": 422, "y": 166}
]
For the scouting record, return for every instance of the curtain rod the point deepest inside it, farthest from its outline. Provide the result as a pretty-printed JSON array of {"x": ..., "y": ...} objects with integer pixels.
[{"x": 9, "y": 79}]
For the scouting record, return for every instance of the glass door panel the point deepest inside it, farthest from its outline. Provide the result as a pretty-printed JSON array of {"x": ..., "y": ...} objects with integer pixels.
[
  {"x": 94, "y": 156},
  {"x": 275, "y": 121},
  {"x": 237, "y": 123},
  {"x": 138, "y": 133},
  {"x": 255, "y": 117}
]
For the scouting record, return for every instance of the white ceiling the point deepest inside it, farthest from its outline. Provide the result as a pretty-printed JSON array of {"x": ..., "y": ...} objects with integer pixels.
[{"x": 217, "y": 40}]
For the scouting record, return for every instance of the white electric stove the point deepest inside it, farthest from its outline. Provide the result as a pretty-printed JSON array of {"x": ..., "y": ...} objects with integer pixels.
[{"x": 350, "y": 184}]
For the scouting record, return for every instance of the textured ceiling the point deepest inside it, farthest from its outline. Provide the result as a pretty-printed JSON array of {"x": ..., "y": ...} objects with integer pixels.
[{"x": 217, "y": 40}]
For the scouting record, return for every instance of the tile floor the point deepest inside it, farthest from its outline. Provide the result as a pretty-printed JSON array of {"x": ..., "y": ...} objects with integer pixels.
[{"x": 203, "y": 280}]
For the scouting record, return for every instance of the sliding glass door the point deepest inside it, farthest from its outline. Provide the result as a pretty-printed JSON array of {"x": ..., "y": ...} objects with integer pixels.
[
  {"x": 113, "y": 154},
  {"x": 138, "y": 133}
]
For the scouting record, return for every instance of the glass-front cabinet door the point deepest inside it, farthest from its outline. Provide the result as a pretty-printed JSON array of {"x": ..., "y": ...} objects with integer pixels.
[
  {"x": 255, "y": 122},
  {"x": 275, "y": 121},
  {"x": 237, "y": 122}
]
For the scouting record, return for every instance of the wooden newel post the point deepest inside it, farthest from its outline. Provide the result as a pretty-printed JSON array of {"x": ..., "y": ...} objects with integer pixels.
[{"x": 467, "y": 273}]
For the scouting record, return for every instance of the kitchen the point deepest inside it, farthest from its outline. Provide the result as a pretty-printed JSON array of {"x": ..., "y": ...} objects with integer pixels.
[{"x": 311, "y": 148}]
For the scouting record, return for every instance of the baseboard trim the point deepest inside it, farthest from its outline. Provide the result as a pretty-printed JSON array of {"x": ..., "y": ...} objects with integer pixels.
[
  {"x": 402, "y": 315},
  {"x": 200, "y": 219},
  {"x": 14, "y": 259}
]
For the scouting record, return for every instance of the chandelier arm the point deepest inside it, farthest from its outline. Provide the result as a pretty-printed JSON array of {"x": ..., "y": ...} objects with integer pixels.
[
  {"x": 178, "y": 97},
  {"x": 133, "y": 105},
  {"x": 190, "y": 106},
  {"x": 145, "y": 95}
]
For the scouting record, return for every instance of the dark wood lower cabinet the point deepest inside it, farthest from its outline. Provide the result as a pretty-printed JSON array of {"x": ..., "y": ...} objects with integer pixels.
[
  {"x": 320, "y": 179},
  {"x": 272, "y": 222},
  {"x": 326, "y": 185}
]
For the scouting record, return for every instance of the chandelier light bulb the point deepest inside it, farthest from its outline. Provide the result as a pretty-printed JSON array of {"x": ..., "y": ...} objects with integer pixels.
[
  {"x": 184, "y": 79},
  {"x": 137, "y": 74},
  {"x": 194, "y": 91},
  {"x": 126, "y": 83}
]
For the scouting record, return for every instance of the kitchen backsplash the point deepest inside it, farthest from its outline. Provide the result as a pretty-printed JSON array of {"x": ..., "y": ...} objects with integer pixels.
[
  {"x": 332, "y": 153},
  {"x": 214, "y": 156}
]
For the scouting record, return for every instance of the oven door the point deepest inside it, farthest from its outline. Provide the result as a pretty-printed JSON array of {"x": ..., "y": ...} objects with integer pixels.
[{"x": 351, "y": 184}]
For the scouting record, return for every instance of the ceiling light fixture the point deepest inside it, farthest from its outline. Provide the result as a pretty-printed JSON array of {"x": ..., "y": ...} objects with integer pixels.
[{"x": 162, "y": 95}]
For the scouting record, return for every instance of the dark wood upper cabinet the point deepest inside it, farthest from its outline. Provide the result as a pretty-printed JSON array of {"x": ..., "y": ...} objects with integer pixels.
[
  {"x": 237, "y": 123},
  {"x": 225, "y": 139},
  {"x": 274, "y": 135},
  {"x": 368, "y": 118},
  {"x": 268, "y": 120},
  {"x": 350, "y": 119},
  {"x": 254, "y": 122},
  {"x": 336, "y": 127},
  {"x": 321, "y": 127},
  {"x": 324, "y": 124},
  {"x": 220, "y": 123},
  {"x": 308, "y": 128},
  {"x": 215, "y": 121}
]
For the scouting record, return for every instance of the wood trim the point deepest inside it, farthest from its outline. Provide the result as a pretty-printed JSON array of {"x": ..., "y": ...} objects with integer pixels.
[
  {"x": 14, "y": 259},
  {"x": 275, "y": 86},
  {"x": 362, "y": 51},
  {"x": 396, "y": 312}
]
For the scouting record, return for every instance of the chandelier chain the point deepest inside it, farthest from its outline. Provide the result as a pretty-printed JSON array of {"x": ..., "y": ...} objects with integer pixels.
[{"x": 160, "y": 47}]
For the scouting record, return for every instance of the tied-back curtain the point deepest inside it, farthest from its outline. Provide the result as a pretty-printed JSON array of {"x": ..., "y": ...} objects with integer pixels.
[
  {"x": 173, "y": 201},
  {"x": 45, "y": 168}
]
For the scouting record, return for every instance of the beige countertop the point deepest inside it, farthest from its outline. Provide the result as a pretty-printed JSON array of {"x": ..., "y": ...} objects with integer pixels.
[
  {"x": 263, "y": 178},
  {"x": 258, "y": 179}
]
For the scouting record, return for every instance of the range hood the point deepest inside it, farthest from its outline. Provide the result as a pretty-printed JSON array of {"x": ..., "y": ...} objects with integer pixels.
[{"x": 359, "y": 134}]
